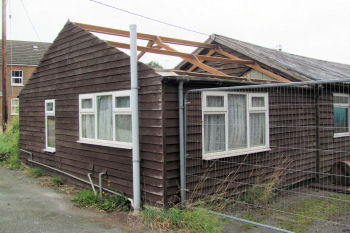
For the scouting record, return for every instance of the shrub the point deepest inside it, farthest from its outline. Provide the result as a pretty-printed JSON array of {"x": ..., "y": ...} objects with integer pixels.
[
  {"x": 56, "y": 180},
  {"x": 85, "y": 198},
  {"x": 9, "y": 146},
  {"x": 36, "y": 172},
  {"x": 260, "y": 195},
  {"x": 188, "y": 220}
]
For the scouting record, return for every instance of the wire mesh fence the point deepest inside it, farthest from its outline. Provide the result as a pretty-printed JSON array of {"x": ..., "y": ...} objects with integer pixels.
[{"x": 276, "y": 154}]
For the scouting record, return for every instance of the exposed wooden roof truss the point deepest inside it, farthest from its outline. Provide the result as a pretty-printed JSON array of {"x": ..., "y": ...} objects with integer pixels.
[{"x": 162, "y": 45}]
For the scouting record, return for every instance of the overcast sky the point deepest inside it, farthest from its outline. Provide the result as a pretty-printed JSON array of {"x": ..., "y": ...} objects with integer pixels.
[{"x": 313, "y": 28}]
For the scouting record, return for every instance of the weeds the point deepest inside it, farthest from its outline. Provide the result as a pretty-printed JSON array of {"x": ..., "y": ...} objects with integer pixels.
[
  {"x": 86, "y": 198},
  {"x": 9, "y": 147},
  {"x": 56, "y": 181},
  {"x": 188, "y": 220},
  {"x": 36, "y": 172}
]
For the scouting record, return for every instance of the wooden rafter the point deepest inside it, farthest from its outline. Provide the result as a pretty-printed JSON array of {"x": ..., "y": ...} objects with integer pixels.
[
  {"x": 193, "y": 67},
  {"x": 255, "y": 67},
  {"x": 142, "y": 36},
  {"x": 150, "y": 45},
  {"x": 179, "y": 54},
  {"x": 193, "y": 59}
]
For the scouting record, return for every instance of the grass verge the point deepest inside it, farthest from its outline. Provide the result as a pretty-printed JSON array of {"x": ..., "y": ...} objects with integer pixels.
[
  {"x": 86, "y": 198},
  {"x": 9, "y": 147},
  {"x": 187, "y": 220}
]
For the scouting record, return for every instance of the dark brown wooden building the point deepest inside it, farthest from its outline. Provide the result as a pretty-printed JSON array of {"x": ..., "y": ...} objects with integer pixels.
[{"x": 75, "y": 112}]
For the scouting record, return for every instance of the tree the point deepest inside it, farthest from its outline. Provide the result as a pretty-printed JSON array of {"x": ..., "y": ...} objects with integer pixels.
[{"x": 154, "y": 64}]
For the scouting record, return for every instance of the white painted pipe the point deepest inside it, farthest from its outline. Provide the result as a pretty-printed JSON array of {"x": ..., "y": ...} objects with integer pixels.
[
  {"x": 135, "y": 119},
  {"x": 91, "y": 183}
]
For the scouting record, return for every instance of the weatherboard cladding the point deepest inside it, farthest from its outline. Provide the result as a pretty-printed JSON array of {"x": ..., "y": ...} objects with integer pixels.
[
  {"x": 25, "y": 53},
  {"x": 76, "y": 63}
]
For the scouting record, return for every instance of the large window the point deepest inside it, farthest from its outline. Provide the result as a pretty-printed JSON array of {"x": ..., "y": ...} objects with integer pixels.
[
  {"x": 14, "y": 106},
  {"x": 50, "y": 125},
  {"x": 16, "y": 77},
  {"x": 105, "y": 119},
  {"x": 341, "y": 115},
  {"x": 234, "y": 124}
]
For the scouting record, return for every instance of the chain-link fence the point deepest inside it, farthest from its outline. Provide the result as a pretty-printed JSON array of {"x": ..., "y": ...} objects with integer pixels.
[{"x": 275, "y": 154}]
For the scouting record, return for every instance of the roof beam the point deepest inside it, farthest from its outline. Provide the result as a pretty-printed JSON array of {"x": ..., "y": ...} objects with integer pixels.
[
  {"x": 142, "y": 36},
  {"x": 193, "y": 67},
  {"x": 150, "y": 45},
  {"x": 255, "y": 67},
  {"x": 179, "y": 54}
]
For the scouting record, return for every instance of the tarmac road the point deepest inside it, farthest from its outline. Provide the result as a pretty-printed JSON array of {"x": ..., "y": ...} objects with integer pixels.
[{"x": 28, "y": 207}]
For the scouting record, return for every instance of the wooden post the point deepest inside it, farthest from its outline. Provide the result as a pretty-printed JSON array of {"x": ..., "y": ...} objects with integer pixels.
[{"x": 4, "y": 68}]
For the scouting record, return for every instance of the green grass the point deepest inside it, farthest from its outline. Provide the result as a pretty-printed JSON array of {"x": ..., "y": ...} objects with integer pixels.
[
  {"x": 36, "y": 172},
  {"x": 188, "y": 220},
  {"x": 318, "y": 208},
  {"x": 56, "y": 181},
  {"x": 86, "y": 198},
  {"x": 9, "y": 147}
]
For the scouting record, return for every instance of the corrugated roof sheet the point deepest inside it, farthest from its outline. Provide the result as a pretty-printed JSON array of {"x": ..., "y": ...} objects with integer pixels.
[
  {"x": 25, "y": 52},
  {"x": 294, "y": 65}
]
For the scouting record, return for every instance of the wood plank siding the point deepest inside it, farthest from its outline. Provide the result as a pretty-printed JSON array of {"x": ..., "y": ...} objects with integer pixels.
[{"x": 77, "y": 63}]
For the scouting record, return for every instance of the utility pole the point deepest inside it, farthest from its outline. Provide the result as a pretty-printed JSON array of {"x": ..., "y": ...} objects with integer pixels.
[{"x": 4, "y": 68}]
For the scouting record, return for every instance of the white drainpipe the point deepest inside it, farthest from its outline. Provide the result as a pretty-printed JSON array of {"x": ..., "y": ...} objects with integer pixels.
[{"x": 135, "y": 119}]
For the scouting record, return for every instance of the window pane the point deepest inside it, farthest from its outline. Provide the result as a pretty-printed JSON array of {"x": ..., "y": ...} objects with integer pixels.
[
  {"x": 257, "y": 129},
  {"x": 214, "y": 133},
  {"x": 237, "y": 121},
  {"x": 122, "y": 102},
  {"x": 86, "y": 103},
  {"x": 51, "y": 138},
  {"x": 104, "y": 117},
  {"x": 258, "y": 102},
  {"x": 341, "y": 121},
  {"x": 123, "y": 128},
  {"x": 49, "y": 106},
  {"x": 88, "y": 126},
  {"x": 215, "y": 101},
  {"x": 341, "y": 99}
]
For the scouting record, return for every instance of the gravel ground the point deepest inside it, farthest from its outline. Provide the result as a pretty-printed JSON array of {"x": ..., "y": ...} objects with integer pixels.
[{"x": 28, "y": 207}]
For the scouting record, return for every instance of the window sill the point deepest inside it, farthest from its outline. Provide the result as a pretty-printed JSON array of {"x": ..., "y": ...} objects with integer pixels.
[
  {"x": 17, "y": 85},
  {"x": 50, "y": 150},
  {"x": 339, "y": 135},
  {"x": 226, "y": 154},
  {"x": 105, "y": 143}
]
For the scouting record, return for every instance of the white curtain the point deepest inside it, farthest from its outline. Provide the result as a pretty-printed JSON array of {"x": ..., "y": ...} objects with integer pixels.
[
  {"x": 123, "y": 128},
  {"x": 86, "y": 103},
  {"x": 104, "y": 118},
  {"x": 214, "y": 132},
  {"x": 257, "y": 129},
  {"x": 215, "y": 101},
  {"x": 51, "y": 135},
  {"x": 258, "y": 102},
  {"x": 237, "y": 121},
  {"x": 88, "y": 126}
]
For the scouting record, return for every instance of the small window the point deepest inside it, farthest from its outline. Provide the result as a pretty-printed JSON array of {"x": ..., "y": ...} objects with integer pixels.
[
  {"x": 17, "y": 78},
  {"x": 50, "y": 126},
  {"x": 341, "y": 115},
  {"x": 234, "y": 124},
  {"x": 105, "y": 119},
  {"x": 14, "y": 106}
]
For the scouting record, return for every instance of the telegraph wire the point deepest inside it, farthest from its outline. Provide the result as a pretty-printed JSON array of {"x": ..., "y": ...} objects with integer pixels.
[
  {"x": 148, "y": 18},
  {"x": 34, "y": 29}
]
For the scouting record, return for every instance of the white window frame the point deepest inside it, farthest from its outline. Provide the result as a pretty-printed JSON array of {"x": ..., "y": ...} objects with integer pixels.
[
  {"x": 93, "y": 111},
  {"x": 340, "y": 105},
  {"x": 49, "y": 113},
  {"x": 14, "y": 106},
  {"x": 13, "y": 77},
  {"x": 224, "y": 110}
]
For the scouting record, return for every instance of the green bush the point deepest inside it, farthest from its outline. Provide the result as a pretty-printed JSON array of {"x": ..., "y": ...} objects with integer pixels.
[
  {"x": 86, "y": 198},
  {"x": 188, "y": 220},
  {"x": 56, "y": 180},
  {"x": 36, "y": 172},
  {"x": 260, "y": 195},
  {"x": 9, "y": 146}
]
